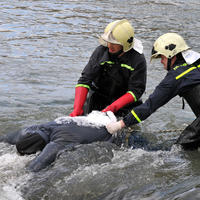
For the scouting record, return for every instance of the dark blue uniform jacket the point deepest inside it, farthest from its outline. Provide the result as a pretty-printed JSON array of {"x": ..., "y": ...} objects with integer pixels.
[{"x": 180, "y": 79}]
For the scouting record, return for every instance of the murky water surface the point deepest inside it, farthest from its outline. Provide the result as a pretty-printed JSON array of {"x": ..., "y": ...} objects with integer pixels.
[{"x": 44, "y": 45}]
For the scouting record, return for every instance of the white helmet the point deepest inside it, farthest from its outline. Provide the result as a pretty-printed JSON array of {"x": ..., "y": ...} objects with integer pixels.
[
  {"x": 118, "y": 32},
  {"x": 169, "y": 45}
]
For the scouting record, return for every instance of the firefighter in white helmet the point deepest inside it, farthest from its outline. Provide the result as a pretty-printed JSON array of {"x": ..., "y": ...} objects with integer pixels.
[
  {"x": 115, "y": 75},
  {"x": 183, "y": 79}
]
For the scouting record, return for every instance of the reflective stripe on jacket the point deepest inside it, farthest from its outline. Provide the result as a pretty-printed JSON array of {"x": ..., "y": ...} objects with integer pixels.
[
  {"x": 178, "y": 81},
  {"x": 113, "y": 78}
]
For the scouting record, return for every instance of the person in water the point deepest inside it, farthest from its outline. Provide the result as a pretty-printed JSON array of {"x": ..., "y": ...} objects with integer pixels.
[
  {"x": 115, "y": 75},
  {"x": 61, "y": 134},
  {"x": 183, "y": 79}
]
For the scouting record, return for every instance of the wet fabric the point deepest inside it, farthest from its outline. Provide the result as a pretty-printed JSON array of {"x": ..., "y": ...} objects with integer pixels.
[
  {"x": 30, "y": 144},
  {"x": 190, "y": 137},
  {"x": 46, "y": 157}
]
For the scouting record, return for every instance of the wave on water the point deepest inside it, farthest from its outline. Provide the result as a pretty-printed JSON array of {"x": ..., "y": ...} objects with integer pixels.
[{"x": 13, "y": 172}]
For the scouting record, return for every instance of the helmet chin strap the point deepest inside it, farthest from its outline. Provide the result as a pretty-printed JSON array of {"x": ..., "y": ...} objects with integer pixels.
[{"x": 169, "y": 61}]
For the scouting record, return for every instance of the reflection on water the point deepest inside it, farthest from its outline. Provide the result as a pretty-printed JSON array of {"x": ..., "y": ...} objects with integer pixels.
[{"x": 44, "y": 45}]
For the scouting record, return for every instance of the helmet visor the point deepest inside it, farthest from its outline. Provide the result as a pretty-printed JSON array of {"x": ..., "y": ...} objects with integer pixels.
[
  {"x": 154, "y": 54},
  {"x": 108, "y": 37}
]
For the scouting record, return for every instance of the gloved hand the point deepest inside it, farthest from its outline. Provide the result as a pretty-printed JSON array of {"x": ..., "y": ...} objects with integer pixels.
[
  {"x": 80, "y": 97},
  {"x": 113, "y": 127},
  {"x": 119, "y": 103}
]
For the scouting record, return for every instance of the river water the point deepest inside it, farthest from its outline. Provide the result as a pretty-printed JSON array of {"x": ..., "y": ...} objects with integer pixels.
[{"x": 44, "y": 45}]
